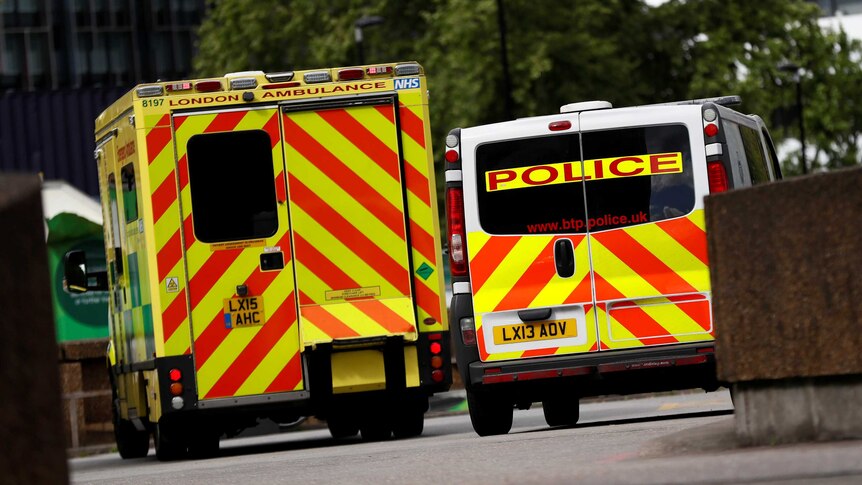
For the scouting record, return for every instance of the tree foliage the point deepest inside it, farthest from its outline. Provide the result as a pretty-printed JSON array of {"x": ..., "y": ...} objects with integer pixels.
[{"x": 559, "y": 52}]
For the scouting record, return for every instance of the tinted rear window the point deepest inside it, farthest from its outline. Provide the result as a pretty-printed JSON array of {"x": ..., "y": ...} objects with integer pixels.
[
  {"x": 534, "y": 185},
  {"x": 232, "y": 186},
  {"x": 624, "y": 201},
  {"x": 507, "y": 206}
]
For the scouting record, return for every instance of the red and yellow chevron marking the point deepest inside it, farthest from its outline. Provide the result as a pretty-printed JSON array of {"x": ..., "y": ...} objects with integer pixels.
[
  {"x": 248, "y": 360},
  {"x": 652, "y": 282},
  {"x": 173, "y": 335},
  {"x": 347, "y": 213},
  {"x": 422, "y": 201},
  {"x": 517, "y": 272}
]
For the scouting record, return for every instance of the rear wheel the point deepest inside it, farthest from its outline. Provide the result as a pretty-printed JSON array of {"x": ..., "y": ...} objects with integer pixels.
[
  {"x": 489, "y": 414},
  {"x": 131, "y": 443},
  {"x": 341, "y": 427},
  {"x": 375, "y": 425},
  {"x": 409, "y": 417},
  {"x": 561, "y": 411},
  {"x": 170, "y": 444}
]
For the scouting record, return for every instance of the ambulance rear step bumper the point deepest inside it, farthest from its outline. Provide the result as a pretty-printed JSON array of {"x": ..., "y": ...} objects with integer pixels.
[{"x": 593, "y": 365}]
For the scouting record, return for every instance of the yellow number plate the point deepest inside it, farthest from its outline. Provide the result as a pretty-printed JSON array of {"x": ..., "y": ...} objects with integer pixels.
[
  {"x": 243, "y": 312},
  {"x": 534, "y": 331}
]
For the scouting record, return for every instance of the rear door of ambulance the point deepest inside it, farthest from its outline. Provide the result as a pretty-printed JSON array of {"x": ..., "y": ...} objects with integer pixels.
[
  {"x": 237, "y": 247},
  {"x": 345, "y": 174},
  {"x": 646, "y": 225},
  {"x": 527, "y": 241}
]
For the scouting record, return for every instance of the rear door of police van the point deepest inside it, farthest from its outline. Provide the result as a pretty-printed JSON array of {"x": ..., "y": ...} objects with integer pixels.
[
  {"x": 646, "y": 225},
  {"x": 526, "y": 239}
]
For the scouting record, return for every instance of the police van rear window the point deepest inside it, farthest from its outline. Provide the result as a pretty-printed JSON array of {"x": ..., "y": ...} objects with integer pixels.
[
  {"x": 232, "y": 185},
  {"x": 628, "y": 176}
]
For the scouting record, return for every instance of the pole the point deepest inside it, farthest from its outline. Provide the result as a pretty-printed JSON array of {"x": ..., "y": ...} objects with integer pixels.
[
  {"x": 504, "y": 61},
  {"x": 801, "y": 123},
  {"x": 357, "y": 32}
]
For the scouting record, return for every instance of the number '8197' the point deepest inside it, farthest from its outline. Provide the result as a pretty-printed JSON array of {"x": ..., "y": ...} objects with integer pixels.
[{"x": 152, "y": 103}]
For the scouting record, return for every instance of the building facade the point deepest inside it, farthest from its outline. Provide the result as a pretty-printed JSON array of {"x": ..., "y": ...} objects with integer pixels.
[{"x": 63, "y": 61}]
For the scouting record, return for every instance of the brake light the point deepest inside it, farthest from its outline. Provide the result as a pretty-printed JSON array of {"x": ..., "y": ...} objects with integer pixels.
[
  {"x": 559, "y": 125},
  {"x": 208, "y": 86},
  {"x": 351, "y": 74},
  {"x": 175, "y": 374},
  {"x": 710, "y": 130},
  {"x": 452, "y": 156},
  {"x": 717, "y": 177},
  {"x": 457, "y": 234},
  {"x": 436, "y": 348}
]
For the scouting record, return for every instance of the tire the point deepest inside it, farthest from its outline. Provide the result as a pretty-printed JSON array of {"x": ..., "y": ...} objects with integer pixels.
[
  {"x": 170, "y": 445},
  {"x": 409, "y": 419},
  {"x": 489, "y": 414},
  {"x": 341, "y": 427},
  {"x": 375, "y": 426},
  {"x": 131, "y": 443},
  {"x": 562, "y": 411}
]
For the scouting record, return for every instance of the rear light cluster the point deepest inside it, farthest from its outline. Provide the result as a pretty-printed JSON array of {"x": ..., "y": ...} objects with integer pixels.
[
  {"x": 716, "y": 173},
  {"x": 436, "y": 348},
  {"x": 457, "y": 231},
  {"x": 468, "y": 331},
  {"x": 175, "y": 375},
  {"x": 455, "y": 212},
  {"x": 277, "y": 80}
]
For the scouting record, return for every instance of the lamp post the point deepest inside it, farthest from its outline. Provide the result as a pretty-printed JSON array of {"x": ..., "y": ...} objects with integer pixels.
[
  {"x": 361, "y": 23},
  {"x": 795, "y": 72}
]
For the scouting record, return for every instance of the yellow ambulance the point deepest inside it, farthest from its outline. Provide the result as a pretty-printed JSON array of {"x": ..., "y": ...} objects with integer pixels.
[
  {"x": 273, "y": 252},
  {"x": 578, "y": 251}
]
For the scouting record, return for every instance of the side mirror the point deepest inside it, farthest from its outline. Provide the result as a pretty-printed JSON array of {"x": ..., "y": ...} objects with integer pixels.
[{"x": 77, "y": 279}]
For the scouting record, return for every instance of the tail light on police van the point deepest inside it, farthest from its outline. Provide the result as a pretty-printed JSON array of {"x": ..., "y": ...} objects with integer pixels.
[
  {"x": 468, "y": 331},
  {"x": 717, "y": 176},
  {"x": 176, "y": 376},
  {"x": 457, "y": 231},
  {"x": 436, "y": 348}
]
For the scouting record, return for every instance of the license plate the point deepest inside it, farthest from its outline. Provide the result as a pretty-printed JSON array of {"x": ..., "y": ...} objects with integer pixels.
[
  {"x": 243, "y": 312},
  {"x": 535, "y": 331}
]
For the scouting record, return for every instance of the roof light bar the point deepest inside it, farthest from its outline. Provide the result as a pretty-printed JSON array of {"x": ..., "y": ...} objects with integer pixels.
[
  {"x": 407, "y": 69},
  {"x": 351, "y": 74},
  {"x": 149, "y": 91},
  {"x": 176, "y": 87},
  {"x": 243, "y": 83},
  {"x": 317, "y": 77},
  {"x": 379, "y": 70},
  {"x": 208, "y": 86},
  {"x": 280, "y": 77}
]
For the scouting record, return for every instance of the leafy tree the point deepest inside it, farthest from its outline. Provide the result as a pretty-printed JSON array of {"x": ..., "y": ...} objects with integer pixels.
[{"x": 622, "y": 51}]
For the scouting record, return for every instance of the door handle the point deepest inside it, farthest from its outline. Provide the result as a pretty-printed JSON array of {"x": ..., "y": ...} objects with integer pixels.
[{"x": 564, "y": 258}]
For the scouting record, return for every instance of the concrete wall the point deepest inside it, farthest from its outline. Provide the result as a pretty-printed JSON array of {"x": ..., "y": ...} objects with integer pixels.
[
  {"x": 30, "y": 421},
  {"x": 786, "y": 269},
  {"x": 786, "y": 272}
]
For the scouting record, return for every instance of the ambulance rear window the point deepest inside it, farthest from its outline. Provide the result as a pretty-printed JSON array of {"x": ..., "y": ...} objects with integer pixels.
[
  {"x": 633, "y": 176},
  {"x": 232, "y": 185}
]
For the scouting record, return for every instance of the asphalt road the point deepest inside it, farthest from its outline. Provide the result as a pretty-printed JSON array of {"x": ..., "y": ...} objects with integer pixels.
[{"x": 683, "y": 438}]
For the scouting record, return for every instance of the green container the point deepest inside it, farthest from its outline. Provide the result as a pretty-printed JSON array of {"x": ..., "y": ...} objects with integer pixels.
[{"x": 80, "y": 316}]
